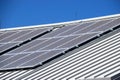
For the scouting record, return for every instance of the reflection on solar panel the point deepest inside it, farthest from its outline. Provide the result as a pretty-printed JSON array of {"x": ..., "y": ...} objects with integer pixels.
[{"x": 50, "y": 45}]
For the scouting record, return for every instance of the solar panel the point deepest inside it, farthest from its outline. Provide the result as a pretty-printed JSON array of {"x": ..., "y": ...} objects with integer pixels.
[
  {"x": 13, "y": 38},
  {"x": 50, "y": 45},
  {"x": 27, "y": 60}
]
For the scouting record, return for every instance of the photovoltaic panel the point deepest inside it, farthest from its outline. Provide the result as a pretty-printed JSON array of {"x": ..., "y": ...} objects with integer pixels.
[
  {"x": 43, "y": 44},
  {"x": 52, "y": 44},
  {"x": 78, "y": 40},
  {"x": 27, "y": 60},
  {"x": 32, "y": 34},
  {"x": 13, "y": 38}
]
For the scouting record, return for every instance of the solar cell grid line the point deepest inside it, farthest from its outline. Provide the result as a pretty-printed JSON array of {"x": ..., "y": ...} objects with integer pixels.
[
  {"x": 12, "y": 63},
  {"x": 109, "y": 26},
  {"x": 9, "y": 60},
  {"x": 78, "y": 40},
  {"x": 94, "y": 26},
  {"x": 71, "y": 67},
  {"x": 7, "y": 46},
  {"x": 82, "y": 26},
  {"x": 7, "y": 57},
  {"x": 7, "y": 34},
  {"x": 24, "y": 59},
  {"x": 58, "y": 43},
  {"x": 4, "y": 57},
  {"x": 45, "y": 69},
  {"x": 85, "y": 27},
  {"x": 32, "y": 34},
  {"x": 25, "y": 46},
  {"x": 28, "y": 57},
  {"x": 62, "y": 30},
  {"x": 62, "y": 41},
  {"x": 43, "y": 44},
  {"x": 43, "y": 58},
  {"x": 57, "y": 31},
  {"x": 14, "y": 36}
]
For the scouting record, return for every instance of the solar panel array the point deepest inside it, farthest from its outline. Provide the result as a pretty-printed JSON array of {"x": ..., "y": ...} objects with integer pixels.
[{"x": 49, "y": 45}]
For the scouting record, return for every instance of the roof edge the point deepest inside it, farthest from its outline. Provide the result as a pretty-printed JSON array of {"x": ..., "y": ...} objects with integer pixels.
[{"x": 62, "y": 23}]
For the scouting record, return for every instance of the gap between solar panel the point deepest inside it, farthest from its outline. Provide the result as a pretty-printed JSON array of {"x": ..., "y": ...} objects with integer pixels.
[{"x": 27, "y": 41}]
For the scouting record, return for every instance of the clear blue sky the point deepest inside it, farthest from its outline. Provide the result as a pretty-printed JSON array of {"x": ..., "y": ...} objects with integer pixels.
[{"x": 17, "y": 13}]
